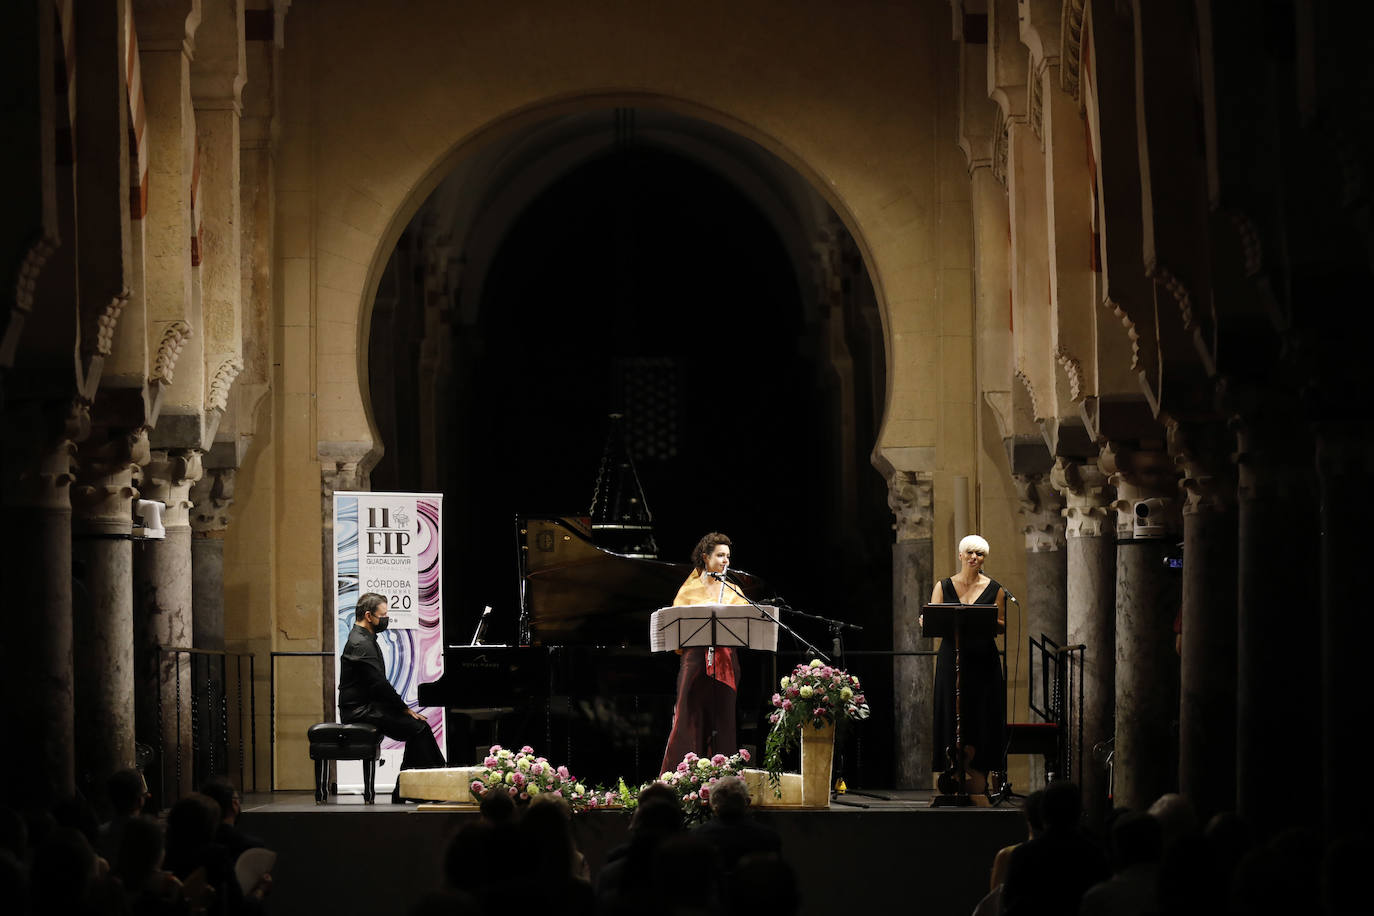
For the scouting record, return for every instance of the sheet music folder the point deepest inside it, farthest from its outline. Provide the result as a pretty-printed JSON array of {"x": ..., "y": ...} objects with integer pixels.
[
  {"x": 943, "y": 619},
  {"x": 735, "y": 625}
]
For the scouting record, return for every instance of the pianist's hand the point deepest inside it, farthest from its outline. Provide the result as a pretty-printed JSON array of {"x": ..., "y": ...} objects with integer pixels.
[{"x": 415, "y": 715}]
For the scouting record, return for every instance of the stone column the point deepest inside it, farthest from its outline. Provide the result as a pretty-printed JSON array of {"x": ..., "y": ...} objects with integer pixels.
[
  {"x": 211, "y": 496},
  {"x": 162, "y": 588},
  {"x": 1277, "y": 655},
  {"x": 1207, "y": 681},
  {"x": 910, "y": 495},
  {"x": 1042, "y": 522},
  {"x": 1344, "y": 467},
  {"x": 103, "y": 647},
  {"x": 38, "y": 474},
  {"x": 1145, "y": 764},
  {"x": 1090, "y": 593},
  {"x": 1044, "y": 607}
]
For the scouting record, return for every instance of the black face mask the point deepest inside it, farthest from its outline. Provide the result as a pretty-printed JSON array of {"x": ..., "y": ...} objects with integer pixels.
[{"x": 382, "y": 624}]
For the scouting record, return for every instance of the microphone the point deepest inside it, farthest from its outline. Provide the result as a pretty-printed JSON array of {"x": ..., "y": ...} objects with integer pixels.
[
  {"x": 481, "y": 627},
  {"x": 1010, "y": 596},
  {"x": 726, "y": 572}
]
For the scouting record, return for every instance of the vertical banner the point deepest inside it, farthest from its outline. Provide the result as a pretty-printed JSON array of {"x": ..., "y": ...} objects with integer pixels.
[{"x": 390, "y": 543}]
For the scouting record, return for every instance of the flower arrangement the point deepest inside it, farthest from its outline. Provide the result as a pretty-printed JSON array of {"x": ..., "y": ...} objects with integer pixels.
[
  {"x": 525, "y": 775},
  {"x": 694, "y": 777},
  {"x": 813, "y": 695}
]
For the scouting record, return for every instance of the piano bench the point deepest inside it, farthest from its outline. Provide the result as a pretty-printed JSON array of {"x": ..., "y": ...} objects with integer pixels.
[{"x": 335, "y": 741}]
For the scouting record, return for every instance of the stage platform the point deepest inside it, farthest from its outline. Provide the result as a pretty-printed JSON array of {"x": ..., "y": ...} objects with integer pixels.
[{"x": 905, "y": 855}]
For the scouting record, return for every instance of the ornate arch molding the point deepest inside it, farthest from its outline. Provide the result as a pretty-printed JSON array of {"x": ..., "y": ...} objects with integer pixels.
[{"x": 354, "y": 460}]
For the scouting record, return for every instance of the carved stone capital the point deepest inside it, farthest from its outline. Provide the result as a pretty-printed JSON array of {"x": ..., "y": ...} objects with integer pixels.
[
  {"x": 1138, "y": 475},
  {"x": 1041, "y": 512},
  {"x": 167, "y": 478},
  {"x": 1203, "y": 453},
  {"x": 221, "y": 382},
  {"x": 910, "y": 496},
  {"x": 212, "y": 496},
  {"x": 1087, "y": 494},
  {"x": 104, "y": 487}
]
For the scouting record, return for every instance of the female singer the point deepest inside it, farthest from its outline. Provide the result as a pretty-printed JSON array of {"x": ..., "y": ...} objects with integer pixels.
[
  {"x": 704, "y": 718},
  {"x": 982, "y": 692}
]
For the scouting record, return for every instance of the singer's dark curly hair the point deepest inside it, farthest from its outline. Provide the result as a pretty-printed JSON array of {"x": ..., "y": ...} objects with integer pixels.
[{"x": 706, "y": 546}]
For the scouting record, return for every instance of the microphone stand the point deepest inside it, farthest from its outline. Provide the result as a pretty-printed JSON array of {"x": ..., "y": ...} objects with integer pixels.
[{"x": 836, "y": 628}]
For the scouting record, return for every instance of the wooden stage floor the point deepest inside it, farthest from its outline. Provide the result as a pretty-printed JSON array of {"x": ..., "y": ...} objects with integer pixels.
[{"x": 905, "y": 854}]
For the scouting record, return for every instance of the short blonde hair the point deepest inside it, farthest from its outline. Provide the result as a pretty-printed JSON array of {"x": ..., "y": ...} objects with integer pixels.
[{"x": 974, "y": 542}]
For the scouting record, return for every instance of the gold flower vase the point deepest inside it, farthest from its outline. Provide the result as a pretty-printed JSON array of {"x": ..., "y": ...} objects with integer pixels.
[{"x": 817, "y": 757}]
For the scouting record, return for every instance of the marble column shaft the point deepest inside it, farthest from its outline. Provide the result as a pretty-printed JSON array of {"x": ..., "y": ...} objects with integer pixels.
[
  {"x": 37, "y": 574},
  {"x": 1345, "y": 464},
  {"x": 1278, "y": 654},
  {"x": 211, "y": 497},
  {"x": 913, "y": 676},
  {"x": 103, "y": 647},
  {"x": 162, "y": 584},
  {"x": 1207, "y": 677},
  {"x": 1147, "y": 603},
  {"x": 1090, "y": 593},
  {"x": 1044, "y": 606}
]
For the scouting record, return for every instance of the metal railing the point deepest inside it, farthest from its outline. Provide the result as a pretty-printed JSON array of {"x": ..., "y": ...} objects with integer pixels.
[
  {"x": 272, "y": 711},
  {"x": 1061, "y": 693},
  {"x": 213, "y": 732}
]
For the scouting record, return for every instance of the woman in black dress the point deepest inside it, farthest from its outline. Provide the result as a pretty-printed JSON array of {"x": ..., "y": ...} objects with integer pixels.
[{"x": 982, "y": 691}]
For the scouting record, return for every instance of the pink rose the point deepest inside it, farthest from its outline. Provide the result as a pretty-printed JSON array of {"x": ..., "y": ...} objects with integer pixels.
[
  {"x": 776, "y": 699},
  {"x": 860, "y": 699},
  {"x": 745, "y": 754},
  {"x": 495, "y": 749},
  {"x": 527, "y": 750},
  {"x": 563, "y": 773},
  {"x": 591, "y": 802},
  {"x": 524, "y": 795},
  {"x": 718, "y": 760},
  {"x": 775, "y": 717},
  {"x": 786, "y": 704},
  {"x": 477, "y": 786},
  {"x": 519, "y": 778},
  {"x": 489, "y": 762},
  {"x": 691, "y": 757},
  {"x": 683, "y": 767}
]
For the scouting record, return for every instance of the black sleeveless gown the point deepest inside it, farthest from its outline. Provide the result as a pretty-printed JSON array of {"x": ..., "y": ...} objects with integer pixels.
[{"x": 982, "y": 692}]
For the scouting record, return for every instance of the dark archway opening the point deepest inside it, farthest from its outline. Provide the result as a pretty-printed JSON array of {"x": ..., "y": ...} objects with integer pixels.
[{"x": 643, "y": 282}]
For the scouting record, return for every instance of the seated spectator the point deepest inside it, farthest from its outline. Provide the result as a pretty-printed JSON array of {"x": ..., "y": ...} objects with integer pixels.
[
  {"x": 447, "y": 902},
  {"x": 991, "y": 904},
  {"x": 687, "y": 876},
  {"x": 127, "y": 793},
  {"x": 148, "y": 889},
  {"x": 478, "y": 861},
  {"x": 1048, "y": 875},
  {"x": 763, "y": 884},
  {"x": 555, "y": 867},
  {"x": 654, "y": 790},
  {"x": 1137, "y": 843},
  {"x": 732, "y": 832},
  {"x": 497, "y": 807},
  {"x": 230, "y": 802},
  {"x": 63, "y": 877},
  {"x": 626, "y": 885}
]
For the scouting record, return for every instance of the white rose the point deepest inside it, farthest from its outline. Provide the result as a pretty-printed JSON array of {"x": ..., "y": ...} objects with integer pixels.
[
  {"x": 785, "y": 681},
  {"x": 846, "y": 693},
  {"x": 807, "y": 691},
  {"x": 816, "y": 663},
  {"x": 531, "y": 788}
]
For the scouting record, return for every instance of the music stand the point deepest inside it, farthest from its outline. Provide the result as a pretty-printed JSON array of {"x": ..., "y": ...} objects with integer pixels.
[
  {"x": 735, "y": 626},
  {"x": 957, "y": 622}
]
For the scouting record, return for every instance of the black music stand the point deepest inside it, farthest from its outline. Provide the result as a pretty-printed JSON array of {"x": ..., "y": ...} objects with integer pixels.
[
  {"x": 958, "y": 622},
  {"x": 735, "y": 626}
]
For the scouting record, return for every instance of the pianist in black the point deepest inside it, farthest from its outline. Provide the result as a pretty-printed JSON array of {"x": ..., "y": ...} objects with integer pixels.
[
  {"x": 704, "y": 718},
  {"x": 365, "y": 694}
]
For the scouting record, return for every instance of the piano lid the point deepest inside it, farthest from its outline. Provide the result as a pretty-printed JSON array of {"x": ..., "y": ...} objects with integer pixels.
[{"x": 573, "y": 592}]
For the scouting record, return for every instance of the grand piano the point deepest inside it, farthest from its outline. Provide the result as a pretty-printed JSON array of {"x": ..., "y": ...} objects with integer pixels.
[{"x": 581, "y": 686}]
